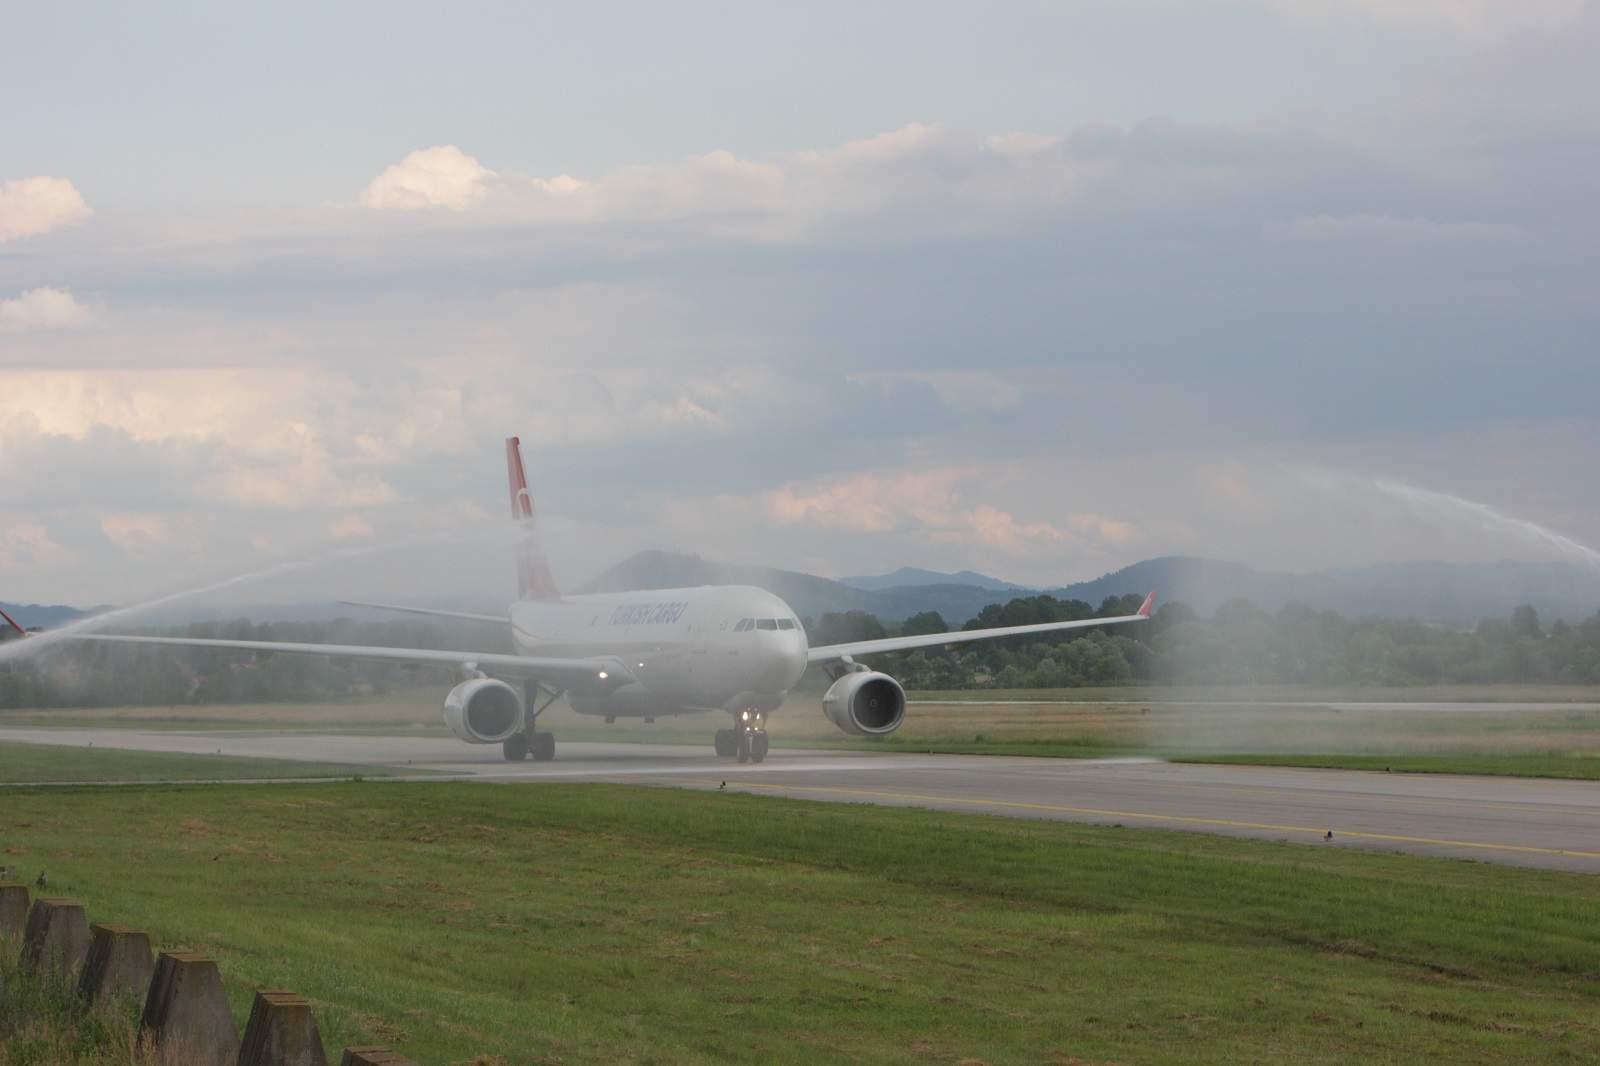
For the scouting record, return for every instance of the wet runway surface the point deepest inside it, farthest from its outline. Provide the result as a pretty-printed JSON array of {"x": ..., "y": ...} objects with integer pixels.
[{"x": 1545, "y": 823}]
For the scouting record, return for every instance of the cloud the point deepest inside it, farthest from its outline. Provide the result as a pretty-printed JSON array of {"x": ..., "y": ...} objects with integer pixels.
[
  {"x": 30, "y": 206},
  {"x": 135, "y": 533},
  {"x": 28, "y": 545},
  {"x": 43, "y": 309},
  {"x": 871, "y": 502},
  {"x": 442, "y": 176},
  {"x": 933, "y": 504},
  {"x": 351, "y": 527},
  {"x": 1043, "y": 353},
  {"x": 917, "y": 168},
  {"x": 1001, "y": 529},
  {"x": 973, "y": 391},
  {"x": 1382, "y": 230}
]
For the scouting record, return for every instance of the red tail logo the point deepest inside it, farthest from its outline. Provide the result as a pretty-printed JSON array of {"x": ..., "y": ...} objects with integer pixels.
[
  {"x": 1147, "y": 606},
  {"x": 534, "y": 581},
  {"x": 12, "y": 622}
]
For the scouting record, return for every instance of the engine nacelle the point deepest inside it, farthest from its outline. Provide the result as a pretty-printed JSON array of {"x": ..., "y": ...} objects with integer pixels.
[
  {"x": 866, "y": 704},
  {"x": 483, "y": 711}
]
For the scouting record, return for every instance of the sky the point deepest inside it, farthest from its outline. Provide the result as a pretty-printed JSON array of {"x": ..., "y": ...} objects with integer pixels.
[{"x": 1035, "y": 288}]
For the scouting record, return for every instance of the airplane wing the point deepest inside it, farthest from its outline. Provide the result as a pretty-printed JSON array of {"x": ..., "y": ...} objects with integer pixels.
[
  {"x": 602, "y": 673},
  {"x": 933, "y": 640},
  {"x": 499, "y": 619}
]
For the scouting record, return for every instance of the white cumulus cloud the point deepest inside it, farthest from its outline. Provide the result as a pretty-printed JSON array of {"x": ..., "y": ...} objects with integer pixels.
[
  {"x": 441, "y": 176},
  {"x": 42, "y": 309},
  {"x": 37, "y": 205},
  {"x": 918, "y": 167}
]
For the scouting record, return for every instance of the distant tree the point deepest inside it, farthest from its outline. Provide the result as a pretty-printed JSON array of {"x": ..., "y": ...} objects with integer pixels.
[
  {"x": 845, "y": 627},
  {"x": 926, "y": 622}
]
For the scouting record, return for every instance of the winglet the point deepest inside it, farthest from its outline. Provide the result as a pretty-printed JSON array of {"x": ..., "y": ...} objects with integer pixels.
[
  {"x": 12, "y": 622},
  {"x": 1147, "y": 606}
]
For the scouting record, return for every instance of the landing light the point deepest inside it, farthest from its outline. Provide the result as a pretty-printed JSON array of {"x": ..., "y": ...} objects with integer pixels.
[
  {"x": 744, "y": 716},
  {"x": 604, "y": 675}
]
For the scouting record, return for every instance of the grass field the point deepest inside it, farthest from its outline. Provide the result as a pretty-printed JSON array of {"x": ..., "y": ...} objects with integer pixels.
[
  {"x": 34, "y": 763},
  {"x": 408, "y": 710},
  {"x": 602, "y": 924},
  {"x": 1499, "y": 693}
]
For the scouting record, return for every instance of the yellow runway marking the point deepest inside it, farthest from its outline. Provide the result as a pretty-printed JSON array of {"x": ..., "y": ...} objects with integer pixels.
[{"x": 1182, "y": 819}]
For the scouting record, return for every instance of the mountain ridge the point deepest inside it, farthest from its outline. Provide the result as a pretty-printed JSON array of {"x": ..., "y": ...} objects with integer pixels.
[
  {"x": 1452, "y": 593},
  {"x": 916, "y": 576}
]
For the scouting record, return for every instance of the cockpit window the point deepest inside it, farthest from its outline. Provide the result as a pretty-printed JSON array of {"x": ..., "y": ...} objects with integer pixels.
[
  {"x": 767, "y": 623},
  {"x": 745, "y": 625},
  {"x": 786, "y": 623}
]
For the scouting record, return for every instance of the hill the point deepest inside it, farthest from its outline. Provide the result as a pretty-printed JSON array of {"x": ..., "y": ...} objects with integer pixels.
[
  {"x": 45, "y": 616},
  {"x": 1453, "y": 593},
  {"x": 915, "y": 576},
  {"x": 1459, "y": 594}
]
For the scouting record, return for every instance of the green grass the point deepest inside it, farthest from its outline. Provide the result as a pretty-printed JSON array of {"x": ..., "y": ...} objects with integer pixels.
[
  {"x": 606, "y": 924},
  {"x": 1577, "y": 767},
  {"x": 36, "y": 763},
  {"x": 1462, "y": 693},
  {"x": 44, "y": 1023}
]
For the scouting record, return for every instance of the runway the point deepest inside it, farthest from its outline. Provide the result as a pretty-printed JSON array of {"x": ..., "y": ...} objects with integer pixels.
[{"x": 1528, "y": 822}]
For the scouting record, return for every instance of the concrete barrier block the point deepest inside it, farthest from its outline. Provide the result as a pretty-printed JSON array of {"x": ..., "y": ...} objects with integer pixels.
[
  {"x": 186, "y": 1014},
  {"x": 57, "y": 938},
  {"x": 373, "y": 1056},
  {"x": 282, "y": 1031},
  {"x": 119, "y": 965},
  {"x": 13, "y": 910}
]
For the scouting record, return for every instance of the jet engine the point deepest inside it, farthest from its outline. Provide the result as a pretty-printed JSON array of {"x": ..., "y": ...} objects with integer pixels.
[
  {"x": 483, "y": 711},
  {"x": 866, "y": 704}
]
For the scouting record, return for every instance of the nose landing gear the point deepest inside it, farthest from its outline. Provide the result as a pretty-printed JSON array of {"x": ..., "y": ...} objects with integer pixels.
[{"x": 746, "y": 741}]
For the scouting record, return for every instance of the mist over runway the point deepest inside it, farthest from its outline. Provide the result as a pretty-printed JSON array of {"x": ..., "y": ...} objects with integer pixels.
[{"x": 1553, "y": 824}]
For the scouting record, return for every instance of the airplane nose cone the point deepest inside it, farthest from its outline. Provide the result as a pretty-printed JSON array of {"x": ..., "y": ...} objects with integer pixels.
[
  {"x": 797, "y": 660},
  {"x": 788, "y": 662}
]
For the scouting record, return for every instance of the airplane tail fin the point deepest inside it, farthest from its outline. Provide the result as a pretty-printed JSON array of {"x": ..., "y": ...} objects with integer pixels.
[
  {"x": 1147, "y": 606},
  {"x": 11, "y": 623},
  {"x": 534, "y": 581}
]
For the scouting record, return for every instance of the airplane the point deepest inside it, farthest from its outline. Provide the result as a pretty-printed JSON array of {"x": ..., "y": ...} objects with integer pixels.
[{"x": 647, "y": 654}]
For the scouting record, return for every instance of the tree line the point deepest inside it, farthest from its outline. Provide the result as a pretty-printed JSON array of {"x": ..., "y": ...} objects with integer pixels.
[{"x": 1239, "y": 644}]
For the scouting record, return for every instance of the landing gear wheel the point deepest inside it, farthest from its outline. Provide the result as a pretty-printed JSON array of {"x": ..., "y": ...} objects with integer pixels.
[
  {"x": 758, "y": 746},
  {"x": 544, "y": 747},
  {"x": 515, "y": 747},
  {"x": 726, "y": 743},
  {"x": 744, "y": 747}
]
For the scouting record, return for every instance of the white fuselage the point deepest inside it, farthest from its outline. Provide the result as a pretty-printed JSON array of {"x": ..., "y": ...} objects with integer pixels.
[{"x": 718, "y": 647}]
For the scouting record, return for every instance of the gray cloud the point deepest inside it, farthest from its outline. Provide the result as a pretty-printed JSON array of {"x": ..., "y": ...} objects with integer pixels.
[{"x": 1129, "y": 325}]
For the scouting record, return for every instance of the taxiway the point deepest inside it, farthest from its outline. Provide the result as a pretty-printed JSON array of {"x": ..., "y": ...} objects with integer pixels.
[{"x": 1545, "y": 823}]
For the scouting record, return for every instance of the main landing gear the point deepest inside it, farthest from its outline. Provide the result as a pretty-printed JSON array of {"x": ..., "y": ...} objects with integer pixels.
[
  {"x": 747, "y": 741},
  {"x": 518, "y": 746},
  {"x": 529, "y": 741}
]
